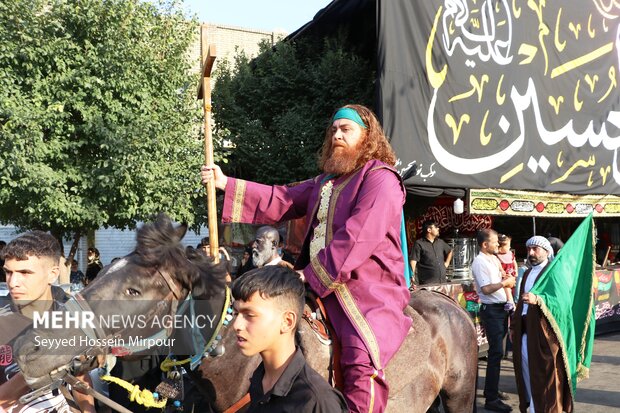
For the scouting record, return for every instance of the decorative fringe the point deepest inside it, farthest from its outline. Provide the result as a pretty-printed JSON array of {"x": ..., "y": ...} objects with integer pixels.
[
  {"x": 169, "y": 363},
  {"x": 589, "y": 324},
  {"x": 143, "y": 397},
  {"x": 583, "y": 372}
]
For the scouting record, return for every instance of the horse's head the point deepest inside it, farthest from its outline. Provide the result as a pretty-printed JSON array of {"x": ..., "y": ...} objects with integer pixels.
[{"x": 132, "y": 296}]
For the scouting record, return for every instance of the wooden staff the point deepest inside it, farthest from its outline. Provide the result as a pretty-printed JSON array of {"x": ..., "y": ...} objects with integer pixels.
[{"x": 204, "y": 93}]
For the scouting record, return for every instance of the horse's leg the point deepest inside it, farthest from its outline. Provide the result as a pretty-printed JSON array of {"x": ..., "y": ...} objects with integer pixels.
[
  {"x": 454, "y": 350},
  {"x": 416, "y": 372},
  {"x": 459, "y": 388}
]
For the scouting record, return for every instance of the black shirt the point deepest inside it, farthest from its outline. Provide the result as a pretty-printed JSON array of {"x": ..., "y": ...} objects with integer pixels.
[
  {"x": 13, "y": 323},
  {"x": 92, "y": 269},
  {"x": 430, "y": 258},
  {"x": 300, "y": 389}
]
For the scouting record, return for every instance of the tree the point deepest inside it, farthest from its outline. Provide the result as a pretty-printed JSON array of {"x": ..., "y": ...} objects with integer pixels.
[
  {"x": 275, "y": 108},
  {"x": 99, "y": 123}
]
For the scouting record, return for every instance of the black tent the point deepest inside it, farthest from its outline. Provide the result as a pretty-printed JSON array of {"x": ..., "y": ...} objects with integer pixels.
[{"x": 496, "y": 97}]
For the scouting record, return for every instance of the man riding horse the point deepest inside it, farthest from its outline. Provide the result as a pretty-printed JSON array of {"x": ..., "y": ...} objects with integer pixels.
[
  {"x": 438, "y": 357},
  {"x": 351, "y": 256}
]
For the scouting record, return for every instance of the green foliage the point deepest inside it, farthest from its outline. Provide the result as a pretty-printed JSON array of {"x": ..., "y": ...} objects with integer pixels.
[
  {"x": 275, "y": 108},
  {"x": 99, "y": 125}
]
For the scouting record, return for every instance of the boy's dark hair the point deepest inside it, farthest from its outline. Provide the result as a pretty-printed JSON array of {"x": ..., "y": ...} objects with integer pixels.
[
  {"x": 484, "y": 235},
  {"x": 32, "y": 243},
  {"x": 272, "y": 281},
  {"x": 426, "y": 225}
]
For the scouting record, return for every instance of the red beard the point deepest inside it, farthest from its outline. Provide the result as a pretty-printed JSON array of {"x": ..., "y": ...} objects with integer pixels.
[{"x": 342, "y": 160}]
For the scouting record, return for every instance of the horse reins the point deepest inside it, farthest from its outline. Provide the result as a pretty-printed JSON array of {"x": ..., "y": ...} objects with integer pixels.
[{"x": 78, "y": 304}]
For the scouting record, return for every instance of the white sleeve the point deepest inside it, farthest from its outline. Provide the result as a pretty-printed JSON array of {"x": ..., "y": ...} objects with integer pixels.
[{"x": 482, "y": 272}]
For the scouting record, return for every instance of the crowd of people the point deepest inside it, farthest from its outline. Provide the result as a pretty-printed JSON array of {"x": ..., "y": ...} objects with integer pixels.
[
  {"x": 546, "y": 387},
  {"x": 353, "y": 259}
]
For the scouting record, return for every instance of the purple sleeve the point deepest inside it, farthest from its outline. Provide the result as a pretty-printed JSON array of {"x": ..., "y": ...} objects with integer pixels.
[
  {"x": 253, "y": 203},
  {"x": 376, "y": 213}
]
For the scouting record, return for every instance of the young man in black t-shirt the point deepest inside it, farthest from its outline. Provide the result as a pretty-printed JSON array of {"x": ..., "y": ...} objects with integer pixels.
[
  {"x": 31, "y": 264},
  {"x": 268, "y": 305}
]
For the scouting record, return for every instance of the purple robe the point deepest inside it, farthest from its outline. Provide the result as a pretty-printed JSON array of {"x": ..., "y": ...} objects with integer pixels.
[{"x": 361, "y": 268}]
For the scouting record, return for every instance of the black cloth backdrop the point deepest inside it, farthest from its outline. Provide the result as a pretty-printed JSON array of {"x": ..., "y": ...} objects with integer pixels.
[{"x": 494, "y": 94}]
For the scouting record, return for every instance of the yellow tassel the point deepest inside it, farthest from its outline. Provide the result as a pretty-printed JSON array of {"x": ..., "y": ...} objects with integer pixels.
[
  {"x": 583, "y": 372},
  {"x": 168, "y": 363},
  {"x": 143, "y": 397}
]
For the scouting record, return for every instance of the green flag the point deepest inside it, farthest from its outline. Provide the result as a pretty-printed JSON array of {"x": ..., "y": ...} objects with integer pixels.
[{"x": 566, "y": 300}]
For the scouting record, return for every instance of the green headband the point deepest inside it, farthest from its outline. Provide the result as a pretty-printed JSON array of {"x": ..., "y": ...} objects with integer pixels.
[{"x": 351, "y": 114}]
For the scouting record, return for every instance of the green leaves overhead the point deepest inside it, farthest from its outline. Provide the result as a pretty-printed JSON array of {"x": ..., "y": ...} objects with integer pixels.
[
  {"x": 275, "y": 108},
  {"x": 99, "y": 125}
]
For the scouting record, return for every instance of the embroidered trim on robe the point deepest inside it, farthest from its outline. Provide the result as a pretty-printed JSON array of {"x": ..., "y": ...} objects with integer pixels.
[
  {"x": 332, "y": 207},
  {"x": 322, "y": 273},
  {"x": 348, "y": 302},
  {"x": 323, "y": 234},
  {"x": 318, "y": 238},
  {"x": 237, "y": 208}
]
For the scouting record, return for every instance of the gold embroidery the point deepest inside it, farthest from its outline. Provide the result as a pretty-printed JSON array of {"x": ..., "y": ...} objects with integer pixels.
[
  {"x": 355, "y": 315},
  {"x": 324, "y": 277},
  {"x": 237, "y": 207},
  {"x": 318, "y": 238},
  {"x": 332, "y": 208},
  {"x": 372, "y": 391},
  {"x": 358, "y": 319}
]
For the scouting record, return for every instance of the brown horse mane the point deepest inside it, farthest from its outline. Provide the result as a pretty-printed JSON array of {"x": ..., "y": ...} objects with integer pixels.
[{"x": 159, "y": 246}]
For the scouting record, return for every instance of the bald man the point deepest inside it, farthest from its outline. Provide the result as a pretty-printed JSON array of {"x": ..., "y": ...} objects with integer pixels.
[{"x": 265, "y": 248}]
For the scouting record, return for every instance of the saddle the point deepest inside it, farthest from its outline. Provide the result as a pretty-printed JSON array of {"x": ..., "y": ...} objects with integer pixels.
[{"x": 316, "y": 317}]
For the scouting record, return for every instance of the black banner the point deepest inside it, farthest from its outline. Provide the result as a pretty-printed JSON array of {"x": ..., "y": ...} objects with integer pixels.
[
  {"x": 508, "y": 94},
  {"x": 607, "y": 300}
]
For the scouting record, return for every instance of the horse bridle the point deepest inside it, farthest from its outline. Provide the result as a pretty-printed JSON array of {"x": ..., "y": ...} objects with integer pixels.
[{"x": 78, "y": 304}]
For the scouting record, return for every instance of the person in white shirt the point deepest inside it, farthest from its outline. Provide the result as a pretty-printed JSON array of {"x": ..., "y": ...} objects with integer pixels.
[{"x": 490, "y": 285}]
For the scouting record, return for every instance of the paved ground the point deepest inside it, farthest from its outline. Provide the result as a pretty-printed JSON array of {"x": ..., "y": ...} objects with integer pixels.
[{"x": 598, "y": 394}]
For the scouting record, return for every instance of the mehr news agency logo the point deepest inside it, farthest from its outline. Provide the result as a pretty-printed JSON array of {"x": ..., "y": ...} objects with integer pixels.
[{"x": 86, "y": 320}]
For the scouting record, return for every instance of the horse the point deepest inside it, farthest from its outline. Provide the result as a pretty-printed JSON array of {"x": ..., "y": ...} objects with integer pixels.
[
  {"x": 437, "y": 359},
  {"x": 151, "y": 282}
]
